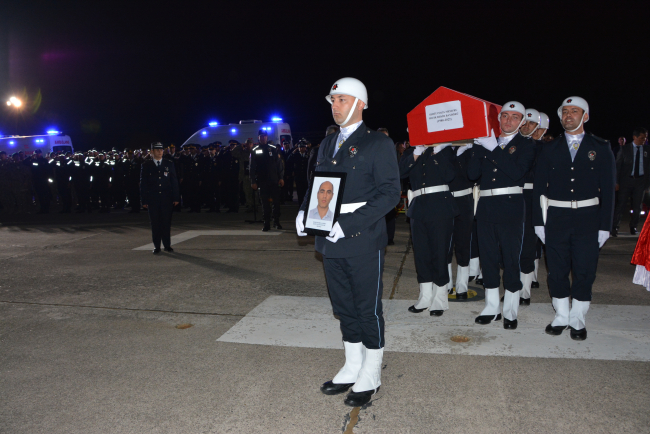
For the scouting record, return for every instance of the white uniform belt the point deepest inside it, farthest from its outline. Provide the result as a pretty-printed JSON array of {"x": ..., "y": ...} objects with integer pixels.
[
  {"x": 351, "y": 207},
  {"x": 427, "y": 190},
  {"x": 502, "y": 191},
  {"x": 573, "y": 204},
  {"x": 528, "y": 186},
  {"x": 460, "y": 193}
]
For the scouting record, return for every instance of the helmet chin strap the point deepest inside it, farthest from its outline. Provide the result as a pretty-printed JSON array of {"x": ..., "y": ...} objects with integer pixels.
[
  {"x": 531, "y": 133},
  {"x": 354, "y": 106},
  {"x": 579, "y": 125},
  {"x": 516, "y": 129}
]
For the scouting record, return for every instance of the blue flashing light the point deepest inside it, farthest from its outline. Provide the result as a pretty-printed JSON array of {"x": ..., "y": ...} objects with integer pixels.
[
  {"x": 40, "y": 141},
  {"x": 53, "y": 132},
  {"x": 213, "y": 123},
  {"x": 204, "y": 132},
  {"x": 233, "y": 130},
  {"x": 12, "y": 142},
  {"x": 276, "y": 119}
]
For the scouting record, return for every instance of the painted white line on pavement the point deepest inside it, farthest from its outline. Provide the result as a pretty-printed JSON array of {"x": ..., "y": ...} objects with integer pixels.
[
  {"x": 188, "y": 235},
  {"x": 614, "y": 332}
]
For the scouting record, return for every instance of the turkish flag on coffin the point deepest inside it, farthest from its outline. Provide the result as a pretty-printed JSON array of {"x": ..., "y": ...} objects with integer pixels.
[{"x": 450, "y": 116}]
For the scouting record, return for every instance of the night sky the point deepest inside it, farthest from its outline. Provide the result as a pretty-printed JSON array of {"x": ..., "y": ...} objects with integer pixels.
[{"x": 113, "y": 74}]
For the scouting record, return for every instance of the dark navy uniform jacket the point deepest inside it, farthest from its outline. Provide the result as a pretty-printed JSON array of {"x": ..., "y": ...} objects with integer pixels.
[
  {"x": 372, "y": 177},
  {"x": 499, "y": 169},
  {"x": 461, "y": 162},
  {"x": 625, "y": 164},
  {"x": 530, "y": 178},
  {"x": 430, "y": 170},
  {"x": 266, "y": 165},
  {"x": 590, "y": 174},
  {"x": 158, "y": 183}
]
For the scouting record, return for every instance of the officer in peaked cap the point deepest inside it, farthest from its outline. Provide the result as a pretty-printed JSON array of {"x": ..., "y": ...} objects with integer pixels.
[
  {"x": 573, "y": 200},
  {"x": 267, "y": 174},
  {"x": 353, "y": 253},
  {"x": 501, "y": 164},
  {"x": 159, "y": 192}
]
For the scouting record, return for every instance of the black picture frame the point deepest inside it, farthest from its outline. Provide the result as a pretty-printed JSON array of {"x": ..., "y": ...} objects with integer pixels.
[{"x": 323, "y": 226}]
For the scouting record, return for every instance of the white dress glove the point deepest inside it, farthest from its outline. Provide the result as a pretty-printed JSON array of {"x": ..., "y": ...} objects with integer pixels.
[
  {"x": 439, "y": 148},
  {"x": 602, "y": 238},
  {"x": 488, "y": 143},
  {"x": 541, "y": 233},
  {"x": 336, "y": 233},
  {"x": 462, "y": 149},
  {"x": 300, "y": 226},
  {"x": 419, "y": 150}
]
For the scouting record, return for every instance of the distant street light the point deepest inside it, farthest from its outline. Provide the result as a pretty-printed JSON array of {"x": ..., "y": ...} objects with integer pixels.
[{"x": 13, "y": 101}]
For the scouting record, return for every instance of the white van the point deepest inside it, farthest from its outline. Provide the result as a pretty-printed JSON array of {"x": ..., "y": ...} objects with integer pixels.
[
  {"x": 278, "y": 132},
  {"x": 28, "y": 144}
]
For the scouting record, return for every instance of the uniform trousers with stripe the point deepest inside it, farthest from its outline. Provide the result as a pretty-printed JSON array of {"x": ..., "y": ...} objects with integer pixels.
[
  {"x": 462, "y": 237},
  {"x": 355, "y": 287},
  {"x": 160, "y": 215},
  {"x": 571, "y": 250},
  {"x": 500, "y": 241},
  {"x": 529, "y": 247},
  {"x": 431, "y": 247}
]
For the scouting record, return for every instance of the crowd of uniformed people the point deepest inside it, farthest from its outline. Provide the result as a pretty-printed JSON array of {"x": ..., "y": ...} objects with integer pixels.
[{"x": 214, "y": 178}]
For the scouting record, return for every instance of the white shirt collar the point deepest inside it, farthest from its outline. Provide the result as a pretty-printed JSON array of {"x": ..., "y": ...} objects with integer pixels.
[
  {"x": 573, "y": 138},
  {"x": 157, "y": 161},
  {"x": 347, "y": 131},
  {"x": 505, "y": 140}
]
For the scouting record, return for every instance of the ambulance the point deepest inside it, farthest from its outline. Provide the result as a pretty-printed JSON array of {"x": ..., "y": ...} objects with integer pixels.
[
  {"x": 54, "y": 141},
  {"x": 278, "y": 132}
]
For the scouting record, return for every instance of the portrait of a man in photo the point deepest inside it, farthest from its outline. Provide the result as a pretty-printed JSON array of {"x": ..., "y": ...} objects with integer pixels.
[{"x": 324, "y": 196}]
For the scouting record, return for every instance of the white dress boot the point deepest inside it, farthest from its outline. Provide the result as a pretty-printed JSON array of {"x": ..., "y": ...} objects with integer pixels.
[
  {"x": 561, "y": 320},
  {"x": 526, "y": 281},
  {"x": 577, "y": 319},
  {"x": 462, "y": 280},
  {"x": 425, "y": 299},
  {"x": 450, "y": 284},
  {"x": 474, "y": 267},
  {"x": 353, "y": 362},
  {"x": 349, "y": 373},
  {"x": 369, "y": 379},
  {"x": 510, "y": 309},
  {"x": 491, "y": 311},
  {"x": 440, "y": 300}
]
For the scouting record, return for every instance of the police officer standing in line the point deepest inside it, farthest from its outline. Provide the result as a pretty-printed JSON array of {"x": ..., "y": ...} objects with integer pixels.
[
  {"x": 432, "y": 210},
  {"x": 267, "y": 174},
  {"x": 529, "y": 244},
  {"x": 573, "y": 209},
  {"x": 501, "y": 164},
  {"x": 461, "y": 190},
  {"x": 538, "y": 136},
  {"x": 159, "y": 192},
  {"x": 41, "y": 177},
  {"x": 353, "y": 253},
  {"x": 297, "y": 164}
]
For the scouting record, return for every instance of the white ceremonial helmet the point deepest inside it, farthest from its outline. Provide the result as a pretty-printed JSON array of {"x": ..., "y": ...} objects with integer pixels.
[
  {"x": 544, "y": 121},
  {"x": 577, "y": 102},
  {"x": 532, "y": 115},
  {"x": 515, "y": 106},
  {"x": 353, "y": 87},
  {"x": 349, "y": 86}
]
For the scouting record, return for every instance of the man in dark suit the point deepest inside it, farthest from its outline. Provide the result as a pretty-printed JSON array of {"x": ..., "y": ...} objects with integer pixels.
[
  {"x": 632, "y": 178},
  {"x": 573, "y": 204},
  {"x": 502, "y": 166},
  {"x": 159, "y": 192},
  {"x": 353, "y": 253}
]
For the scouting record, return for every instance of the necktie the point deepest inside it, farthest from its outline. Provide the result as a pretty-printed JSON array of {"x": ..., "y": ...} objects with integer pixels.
[
  {"x": 158, "y": 163},
  {"x": 637, "y": 161}
]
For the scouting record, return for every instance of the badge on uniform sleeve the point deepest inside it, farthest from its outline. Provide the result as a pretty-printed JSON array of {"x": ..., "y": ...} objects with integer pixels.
[
  {"x": 592, "y": 155},
  {"x": 270, "y": 153},
  {"x": 512, "y": 149},
  {"x": 352, "y": 151}
]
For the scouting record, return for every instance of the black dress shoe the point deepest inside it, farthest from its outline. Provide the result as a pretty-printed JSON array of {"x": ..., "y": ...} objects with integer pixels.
[
  {"x": 479, "y": 281},
  {"x": 169, "y": 250},
  {"x": 554, "y": 330},
  {"x": 471, "y": 278},
  {"x": 330, "y": 388},
  {"x": 525, "y": 301},
  {"x": 614, "y": 233},
  {"x": 359, "y": 399},
  {"x": 534, "y": 284},
  {"x": 461, "y": 296},
  {"x": 578, "y": 335},
  {"x": 416, "y": 310},
  {"x": 509, "y": 325},
  {"x": 487, "y": 319},
  {"x": 277, "y": 225},
  {"x": 632, "y": 232},
  {"x": 156, "y": 251},
  {"x": 436, "y": 312},
  {"x": 391, "y": 242},
  {"x": 503, "y": 297},
  {"x": 266, "y": 228}
]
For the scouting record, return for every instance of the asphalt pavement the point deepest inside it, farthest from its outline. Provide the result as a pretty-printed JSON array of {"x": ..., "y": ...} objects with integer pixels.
[{"x": 232, "y": 334}]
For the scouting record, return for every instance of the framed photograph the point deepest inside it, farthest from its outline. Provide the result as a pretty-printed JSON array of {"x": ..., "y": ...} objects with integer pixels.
[{"x": 325, "y": 199}]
